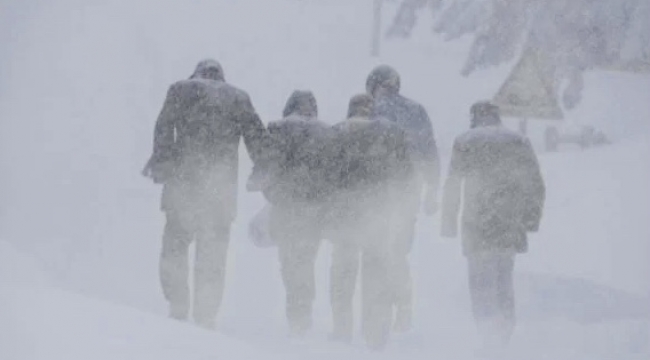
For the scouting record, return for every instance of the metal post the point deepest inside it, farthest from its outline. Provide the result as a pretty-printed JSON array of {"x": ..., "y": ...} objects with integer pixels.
[{"x": 376, "y": 29}]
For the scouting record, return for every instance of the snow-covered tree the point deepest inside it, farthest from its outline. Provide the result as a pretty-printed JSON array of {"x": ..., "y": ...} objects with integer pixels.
[{"x": 573, "y": 35}]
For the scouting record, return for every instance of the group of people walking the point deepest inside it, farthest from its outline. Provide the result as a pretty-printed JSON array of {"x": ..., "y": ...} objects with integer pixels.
[{"x": 359, "y": 184}]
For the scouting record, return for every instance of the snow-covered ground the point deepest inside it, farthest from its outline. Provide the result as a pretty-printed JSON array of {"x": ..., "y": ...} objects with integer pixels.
[{"x": 80, "y": 229}]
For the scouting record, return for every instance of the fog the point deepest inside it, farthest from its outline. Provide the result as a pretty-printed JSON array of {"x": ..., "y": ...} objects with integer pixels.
[{"x": 81, "y": 85}]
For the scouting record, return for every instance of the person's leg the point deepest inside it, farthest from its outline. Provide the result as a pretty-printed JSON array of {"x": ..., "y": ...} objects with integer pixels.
[
  {"x": 174, "y": 268},
  {"x": 484, "y": 290},
  {"x": 401, "y": 272},
  {"x": 298, "y": 246},
  {"x": 343, "y": 278},
  {"x": 376, "y": 289},
  {"x": 404, "y": 221},
  {"x": 210, "y": 271},
  {"x": 482, "y": 286},
  {"x": 506, "y": 295},
  {"x": 376, "y": 299}
]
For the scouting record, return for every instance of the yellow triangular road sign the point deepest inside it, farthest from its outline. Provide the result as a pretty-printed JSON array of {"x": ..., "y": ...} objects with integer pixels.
[{"x": 529, "y": 92}]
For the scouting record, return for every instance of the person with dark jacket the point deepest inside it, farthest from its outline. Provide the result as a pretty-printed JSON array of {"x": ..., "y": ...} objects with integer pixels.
[
  {"x": 195, "y": 157},
  {"x": 373, "y": 168},
  {"x": 383, "y": 84},
  {"x": 295, "y": 189},
  {"x": 497, "y": 172}
]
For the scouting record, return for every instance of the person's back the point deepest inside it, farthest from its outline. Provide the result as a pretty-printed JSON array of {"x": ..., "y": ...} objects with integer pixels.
[
  {"x": 495, "y": 173},
  {"x": 373, "y": 154},
  {"x": 498, "y": 165},
  {"x": 198, "y": 131},
  {"x": 195, "y": 156},
  {"x": 503, "y": 188},
  {"x": 208, "y": 128},
  {"x": 383, "y": 84},
  {"x": 373, "y": 166},
  {"x": 300, "y": 142},
  {"x": 294, "y": 188}
]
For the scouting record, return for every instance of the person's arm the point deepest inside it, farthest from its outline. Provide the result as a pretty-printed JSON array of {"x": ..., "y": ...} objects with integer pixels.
[
  {"x": 535, "y": 190},
  {"x": 429, "y": 162},
  {"x": 452, "y": 193},
  {"x": 164, "y": 151},
  {"x": 264, "y": 170},
  {"x": 256, "y": 136}
]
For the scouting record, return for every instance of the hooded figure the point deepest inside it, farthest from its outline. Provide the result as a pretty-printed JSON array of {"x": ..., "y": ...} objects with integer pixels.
[
  {"x": 295, "y": 188},
  {"x": 195, "y": 156},
  {"x": 383, "y": 84},
  {"x": 373, "y": 167},
  {"x": 503, "y": 195}
]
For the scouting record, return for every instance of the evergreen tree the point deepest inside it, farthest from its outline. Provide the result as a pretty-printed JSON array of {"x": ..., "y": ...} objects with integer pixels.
[{"x": 573, "y": 35}]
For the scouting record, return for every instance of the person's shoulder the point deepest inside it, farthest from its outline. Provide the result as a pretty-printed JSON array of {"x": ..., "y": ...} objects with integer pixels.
[
  {"x": 417, "y": 112},
  {"x": 318, "y": 123},
  {"x": 276, "y": 124},
  {"x": 355, "y": 125},
  {"x": 296, "y": 121},
  {"x": 410, "y": 103},
  {"x": 339, "y": 126},
  {"x": 385, "y": 123},
  {"x": 182, "y": 85},
  {"x": 195, "y": 86},
  {"x": 499, "y": 134},
  {"x": 223, "y": 89},
  {"x": 510, "y": 136},
  {"x": 187, "y": 90},
  {"x": 238, "y": 93},
  {"x": 471, "y": 136}
]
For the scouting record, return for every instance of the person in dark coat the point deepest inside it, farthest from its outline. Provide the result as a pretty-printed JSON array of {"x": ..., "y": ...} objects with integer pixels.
[
  {"x": 383, "y": 84},
  {"x": 195, "y": 157},
  {"x": 295, "y": 189},
  {"x": 373, "y": 169},
  {"x": 497, "y": 172}
]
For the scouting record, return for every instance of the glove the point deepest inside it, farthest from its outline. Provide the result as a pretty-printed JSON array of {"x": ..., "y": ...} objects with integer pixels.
[
  {"x": 159, "y": 172},
  {"x": 258, "y": 180}
]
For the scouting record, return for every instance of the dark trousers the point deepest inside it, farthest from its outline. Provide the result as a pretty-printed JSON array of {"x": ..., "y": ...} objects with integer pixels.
[
  {"x": 492, "y": 291},
  {"x": 211, "y": 238}
]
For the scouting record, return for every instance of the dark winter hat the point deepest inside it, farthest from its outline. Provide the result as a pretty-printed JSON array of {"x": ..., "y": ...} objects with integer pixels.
[
  {"x": 361, "y": 105},
  {"x": 208, "y": 69},
  {"x": 301, "y": 102},
  {"x": 385, "y": 77},
  {"x": 484, "y": 113}
]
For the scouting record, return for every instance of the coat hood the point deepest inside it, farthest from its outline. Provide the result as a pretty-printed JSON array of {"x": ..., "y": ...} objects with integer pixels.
[
  {"x": 301, "y": 103},
  {"x": 484, "y": 113},
  {"x": 208, "y": 69},
  {"x": 383, "y": 77},
  {"x": 361, "y": 106}
]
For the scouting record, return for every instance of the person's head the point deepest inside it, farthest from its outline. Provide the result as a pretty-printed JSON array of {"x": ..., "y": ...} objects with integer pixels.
[
  {"x": 208, "y": 69},
  {"x": 383, "y": 80},
  {"x": 361, "y": 106},
  {"x": 484, "y": 113},
  {"x": 301, "y": 103}
]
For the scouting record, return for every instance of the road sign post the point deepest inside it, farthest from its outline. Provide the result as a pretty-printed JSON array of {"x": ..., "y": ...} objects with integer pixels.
[{"x": 376, "y": 29}]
